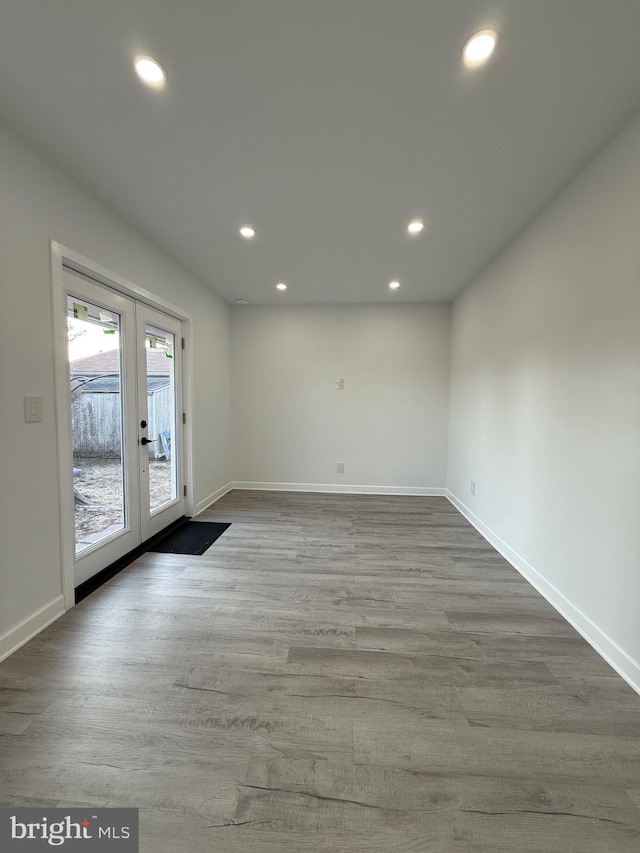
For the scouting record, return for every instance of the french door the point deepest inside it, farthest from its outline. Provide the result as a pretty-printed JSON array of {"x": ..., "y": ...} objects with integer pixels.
[{"x": 125, "y": 383}]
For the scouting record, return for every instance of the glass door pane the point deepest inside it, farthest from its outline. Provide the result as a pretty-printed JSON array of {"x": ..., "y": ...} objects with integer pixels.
[
  {"x": 159, "y": 341},
  {"x": 104, "y": 490},
  {"x": 95, "y": 377},
  {"x": 161, "y": 415}
]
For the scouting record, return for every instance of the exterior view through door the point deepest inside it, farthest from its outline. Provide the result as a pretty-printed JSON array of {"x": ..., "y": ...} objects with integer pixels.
[{"x": 125, "y": 387}]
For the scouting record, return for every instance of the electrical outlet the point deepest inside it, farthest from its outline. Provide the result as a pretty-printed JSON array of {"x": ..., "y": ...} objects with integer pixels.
[
  {"x": 340, "y": 468},
  {"x": 340, "y": 384},
  {"x": 473, "y": 487}
]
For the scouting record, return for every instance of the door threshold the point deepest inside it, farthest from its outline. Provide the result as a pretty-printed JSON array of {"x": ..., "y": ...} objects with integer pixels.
[{"x": 95, "y": 582}]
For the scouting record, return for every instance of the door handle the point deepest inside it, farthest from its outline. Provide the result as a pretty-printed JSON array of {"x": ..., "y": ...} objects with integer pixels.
[{"x": 144, "y": 440}]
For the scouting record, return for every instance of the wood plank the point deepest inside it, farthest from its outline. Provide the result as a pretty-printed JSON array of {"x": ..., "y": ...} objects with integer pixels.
[{"x": 337, "y": 674}]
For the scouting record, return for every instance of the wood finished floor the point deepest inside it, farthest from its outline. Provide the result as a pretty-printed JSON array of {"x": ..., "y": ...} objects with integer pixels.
[{"x": 358, "y": 674}]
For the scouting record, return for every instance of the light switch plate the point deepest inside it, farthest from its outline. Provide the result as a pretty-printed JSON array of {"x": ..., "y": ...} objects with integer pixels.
[{"x": 33, "y": 409}]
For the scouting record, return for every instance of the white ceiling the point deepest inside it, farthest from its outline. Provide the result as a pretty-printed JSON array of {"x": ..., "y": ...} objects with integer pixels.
[{"x": 327, "y": 124}]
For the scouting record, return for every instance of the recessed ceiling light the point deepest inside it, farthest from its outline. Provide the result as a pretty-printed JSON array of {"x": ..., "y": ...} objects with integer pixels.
[
  {"x": 415, "y": 227},
  {"x": 479, "y": 47},
  {"x": 150, "y": 71},
  {"x": 394, "y": 285},
  {"x": 248, "y": 232},
  {"x": 281, "y": 285},
  {"x": 242, "y": 301}
]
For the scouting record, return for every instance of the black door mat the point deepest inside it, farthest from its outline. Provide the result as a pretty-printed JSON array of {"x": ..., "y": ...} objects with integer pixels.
[{"x": 193, "y": 537}]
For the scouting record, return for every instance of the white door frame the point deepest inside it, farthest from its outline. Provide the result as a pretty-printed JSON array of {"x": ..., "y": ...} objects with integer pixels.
[
  {"x": 63, "y": 256},
  {"x": 90, "y": 560},
  {"x": 153, "y": 521}
]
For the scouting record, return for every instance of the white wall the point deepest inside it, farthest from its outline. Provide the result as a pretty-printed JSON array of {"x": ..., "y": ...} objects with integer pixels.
[
  {"x": 38, "y": 203},
  {"x": 389, "y": 425},
  {"x": 545, "y": 401}
]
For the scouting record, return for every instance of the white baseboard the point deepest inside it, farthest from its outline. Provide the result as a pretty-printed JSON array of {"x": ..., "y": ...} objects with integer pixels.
[
  {"x": 202, "y": 505},
  {"x": 333, "y": 488},
  {"x": 606, "y": 646},
  {"x": 24, "y": 631}
]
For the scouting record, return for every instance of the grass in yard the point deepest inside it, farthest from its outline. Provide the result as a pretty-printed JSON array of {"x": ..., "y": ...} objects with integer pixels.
[{"x": 100, "y": 482}]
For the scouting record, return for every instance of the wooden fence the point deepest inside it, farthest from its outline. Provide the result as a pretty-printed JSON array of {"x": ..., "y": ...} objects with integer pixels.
[{"x": 97, "y": 419}]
